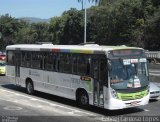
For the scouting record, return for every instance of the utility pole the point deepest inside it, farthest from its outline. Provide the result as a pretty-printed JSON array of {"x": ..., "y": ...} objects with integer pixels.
[
  {"x": 82, "y": 4},
  {"x": 85, "y": 23}
]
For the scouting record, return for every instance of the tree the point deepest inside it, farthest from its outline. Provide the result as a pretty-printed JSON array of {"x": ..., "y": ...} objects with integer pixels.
[
  {"x": 8, "y": 27},
  {"x": 112, "y": 22},
  {"x": 56, "y": 29},
  {"x": 40, "y": 31},
  {"x": 151, "y": 31},
  {"x": 73, "y": 27},
  {"x": 68, "y": 29},
  {"x": 120, "y": 23}
]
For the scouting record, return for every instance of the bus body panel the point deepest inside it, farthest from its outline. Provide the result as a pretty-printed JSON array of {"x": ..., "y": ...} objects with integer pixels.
[
  {"x": 60, "y": 84},
  {"x": 114, "y": 104}
]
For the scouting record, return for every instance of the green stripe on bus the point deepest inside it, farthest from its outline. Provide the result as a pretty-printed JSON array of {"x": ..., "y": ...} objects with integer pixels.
[
  {"x": 132, "y": 96},
  {"x": 82, "y": 51}
]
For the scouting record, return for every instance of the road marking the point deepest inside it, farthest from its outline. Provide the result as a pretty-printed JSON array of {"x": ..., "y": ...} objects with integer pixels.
[
  {"x": 153, "y": 74},
  {"x": 43, "y": 101},
  {"x": 146, "y": 110},
  {"x": 12, "y": 108},
  {"x": 158, "y": 71},
  {"x": 72, "y": 112},
  {"x": 33, "y": 99},
  {"x": 51, "y": 104}
]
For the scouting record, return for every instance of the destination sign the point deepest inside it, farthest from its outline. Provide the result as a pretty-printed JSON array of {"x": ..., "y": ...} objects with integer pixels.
[{"x": 126, "y": 52}]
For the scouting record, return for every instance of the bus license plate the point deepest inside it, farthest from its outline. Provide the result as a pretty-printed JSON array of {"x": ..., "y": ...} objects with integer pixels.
[{"x": 134, "y": 103}]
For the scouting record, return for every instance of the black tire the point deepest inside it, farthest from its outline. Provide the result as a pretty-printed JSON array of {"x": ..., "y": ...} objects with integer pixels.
[
  {"x": 83, "y": 99},
  {"x": 30, "y": 88}
]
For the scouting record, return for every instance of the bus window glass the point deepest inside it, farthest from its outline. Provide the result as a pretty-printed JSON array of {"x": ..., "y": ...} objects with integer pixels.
[
  {"x": 142, "y": 68},
  {"x": 61, "y": 62},
  {"x": 82, "y": 65},
  {"x": 129, "y": 70},
  {"x": 36, "y": 60},
  {"x": 28, "y": 59},
  {"x": 23, "y": 60},
  {"x": 49, "y": 61},
  {"x": 74, "y": 64},
  {"x": 10, "y": 58},
  {"x": 67, "y": 63}
]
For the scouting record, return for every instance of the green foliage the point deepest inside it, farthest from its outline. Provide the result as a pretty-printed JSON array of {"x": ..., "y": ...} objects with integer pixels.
[
  {"x": 151, "y": 32},
  {"x": 8, "y": 28},
  {"x": 123, "y": 22},
  {"x": 112, "y": 22},
  {"x": 67, "y": 29}
]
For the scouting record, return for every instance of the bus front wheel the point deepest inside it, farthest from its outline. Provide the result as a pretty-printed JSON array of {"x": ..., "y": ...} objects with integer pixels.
[
  {"x": 30, "y": 87},
  {"x": 83, "y": 99}
]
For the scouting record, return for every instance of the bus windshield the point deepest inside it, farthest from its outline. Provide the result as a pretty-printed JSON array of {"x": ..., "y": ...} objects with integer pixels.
[{"x": 129, "y": 71}]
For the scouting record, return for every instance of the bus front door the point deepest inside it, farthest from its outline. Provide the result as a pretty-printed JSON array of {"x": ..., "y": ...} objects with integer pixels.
[
  {"x": 17, "y": 67},
  {"x": 98, "y": 87}
]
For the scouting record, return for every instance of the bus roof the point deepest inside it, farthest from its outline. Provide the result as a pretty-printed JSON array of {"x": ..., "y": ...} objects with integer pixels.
[{"x": 88, "y": 48}]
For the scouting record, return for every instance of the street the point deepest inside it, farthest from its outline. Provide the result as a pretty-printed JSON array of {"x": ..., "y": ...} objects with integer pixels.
[{"x": 16, "y": 105}]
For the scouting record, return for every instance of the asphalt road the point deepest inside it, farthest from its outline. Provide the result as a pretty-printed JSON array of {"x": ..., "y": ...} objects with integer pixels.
[{"x": 17, "y": 106}]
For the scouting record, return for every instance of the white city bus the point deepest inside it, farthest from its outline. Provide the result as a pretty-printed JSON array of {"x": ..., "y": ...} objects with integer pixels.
[{"x": 110, "y": 77}]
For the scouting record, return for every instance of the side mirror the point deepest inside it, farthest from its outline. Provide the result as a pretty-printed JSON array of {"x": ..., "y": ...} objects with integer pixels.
[{"x": 109, "y": 65}]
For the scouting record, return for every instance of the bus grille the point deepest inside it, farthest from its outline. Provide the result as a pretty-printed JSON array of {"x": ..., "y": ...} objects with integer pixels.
[{"x": 132, "y": 96}]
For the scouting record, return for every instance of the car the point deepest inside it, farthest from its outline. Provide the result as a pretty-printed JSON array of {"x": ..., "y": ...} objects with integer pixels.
[
  {"x": 154, "y": 91},
  {"x": 2, "y": 57},
  {"x": 2, "y": 67}
]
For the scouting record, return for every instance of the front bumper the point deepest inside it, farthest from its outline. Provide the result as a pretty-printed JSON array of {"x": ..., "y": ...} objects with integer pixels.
[{"x": 114, "y": 104}]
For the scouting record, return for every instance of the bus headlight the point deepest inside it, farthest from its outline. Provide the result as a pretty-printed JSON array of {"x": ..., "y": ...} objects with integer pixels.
[{"x": 114, "y": 93}]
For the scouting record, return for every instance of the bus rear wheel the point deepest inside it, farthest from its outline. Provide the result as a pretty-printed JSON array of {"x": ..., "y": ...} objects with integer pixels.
[
  {"x": 83, "y": 99},
  {"x": 30, "y": 88}
]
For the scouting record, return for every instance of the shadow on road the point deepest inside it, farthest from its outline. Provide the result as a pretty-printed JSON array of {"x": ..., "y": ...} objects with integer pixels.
[
  {"x": 72, "y": 103},
  {"x": 153, "y": 100},
  {"x": 115, "y": 112}
]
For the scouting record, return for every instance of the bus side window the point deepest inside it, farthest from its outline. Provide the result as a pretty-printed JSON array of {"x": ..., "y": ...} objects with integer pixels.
[
  {"x": 26, "y": 60},
  {"x": 82, "y": 64},
  {"x": 67, "y": 63},
  {"x": 54, "y": 61},
  {"x": 44, "y": 61},
  {"x": 57, "y": 62},
  {"x": 23, "y": 59},
  {"x": 61, "y": 62},
  {"x": 49, "y": 61},
  {"x": 95, "y": 69},
  {"x": 88, "y": 66},
  {"x": 74, "y": 64},
  {"x": 41, "y": 60},
  {"x": 36, "y": 60},
  {"x": 10, "y": 57}
]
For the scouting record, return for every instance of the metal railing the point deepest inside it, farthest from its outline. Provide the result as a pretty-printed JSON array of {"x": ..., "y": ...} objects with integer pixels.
[{"x": 153, "y": 56}]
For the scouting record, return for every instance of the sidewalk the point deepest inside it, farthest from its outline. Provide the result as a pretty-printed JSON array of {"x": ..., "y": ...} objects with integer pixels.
[{"x": 157, "y": 84}]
